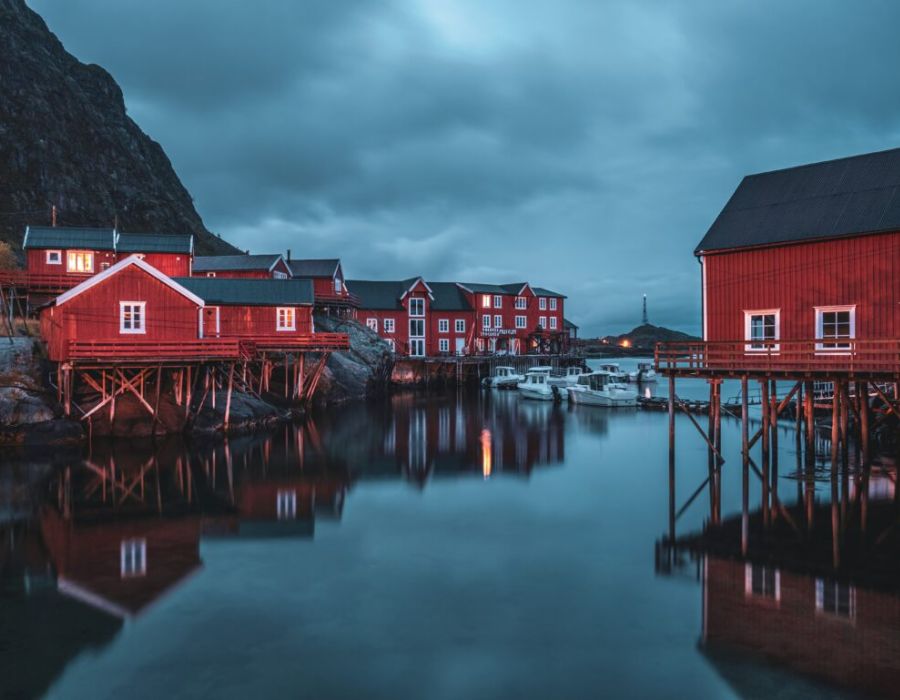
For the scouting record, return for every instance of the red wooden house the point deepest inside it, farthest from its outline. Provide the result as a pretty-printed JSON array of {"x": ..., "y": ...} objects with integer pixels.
[
  {"x": 265, "y": 266},
  {"x": 258, "y": 308},
  {"x": 130, "y": 301},
  {"x": 171, "y": 254},
  {"x": 798, "y": 269},
  {"x": 72, "y": 252},
  {"x": 327, "y": 276}
]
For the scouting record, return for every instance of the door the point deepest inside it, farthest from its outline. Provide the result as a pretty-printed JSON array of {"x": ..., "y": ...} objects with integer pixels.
[
  {"x": 211, "y": 327},
  {"x": 460, "y": 346}
]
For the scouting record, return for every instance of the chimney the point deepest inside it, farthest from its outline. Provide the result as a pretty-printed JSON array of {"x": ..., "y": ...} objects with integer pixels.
[{"x": 288, "y": 254}]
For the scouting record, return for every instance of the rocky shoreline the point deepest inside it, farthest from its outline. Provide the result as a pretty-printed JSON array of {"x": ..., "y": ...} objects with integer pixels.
[{"x": 30, "y": 414}]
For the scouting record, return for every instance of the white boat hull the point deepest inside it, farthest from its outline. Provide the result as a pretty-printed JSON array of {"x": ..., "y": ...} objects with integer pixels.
[
  {"x": 608, "y": 399},
  {"x": 544, "y": 394}
]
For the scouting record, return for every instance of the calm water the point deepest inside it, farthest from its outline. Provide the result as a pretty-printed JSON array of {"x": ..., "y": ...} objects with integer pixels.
[{"x": 469, "y": 546}]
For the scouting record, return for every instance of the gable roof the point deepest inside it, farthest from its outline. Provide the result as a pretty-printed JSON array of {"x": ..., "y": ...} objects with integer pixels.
[
  {"x": 447, "y": 296},
  {"x": 118, "y": 267},
  {"x": 155, "y": 243},
  {"x": 378, "y": 294},
  {"x": 843, "y": 197},
  {"x": 69, "y": 237},
  {"x": 542, "y": 292},
  {"x": 223, "y": 263},
  {"x": 314, "y": 268},
  {"x": 227, "y": 291}
]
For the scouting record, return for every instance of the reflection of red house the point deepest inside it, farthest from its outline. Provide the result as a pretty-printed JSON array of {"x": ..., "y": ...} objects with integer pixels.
[
  {"x": 121, "y": 566},
  {"x": 833, "y": 631}
]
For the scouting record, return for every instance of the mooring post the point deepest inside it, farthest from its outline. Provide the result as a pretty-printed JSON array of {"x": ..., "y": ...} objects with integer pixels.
[
  {"x": 745, "y": 472},
  {"x": 766, "y": 425},
  {"x": 671, "y": 458}
]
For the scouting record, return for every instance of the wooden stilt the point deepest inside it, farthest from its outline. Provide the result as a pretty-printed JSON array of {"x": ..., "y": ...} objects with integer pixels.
[
  {"x": 228, "y": 396},
  {"x": 766, "y": 430},
  {"x": 745, "y": 472}
]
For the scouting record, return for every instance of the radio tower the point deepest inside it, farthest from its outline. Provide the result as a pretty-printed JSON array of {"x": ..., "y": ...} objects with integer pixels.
[{"x": 644, "y": 320}]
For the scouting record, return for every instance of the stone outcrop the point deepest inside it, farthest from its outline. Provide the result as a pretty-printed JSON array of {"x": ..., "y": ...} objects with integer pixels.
[
  {"x": 363, "y": 370},
  {"x": 66, "y": 140}
]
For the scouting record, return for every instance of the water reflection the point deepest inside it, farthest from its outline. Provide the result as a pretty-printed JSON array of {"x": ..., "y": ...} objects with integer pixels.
[{"x": 813, "y": 588}]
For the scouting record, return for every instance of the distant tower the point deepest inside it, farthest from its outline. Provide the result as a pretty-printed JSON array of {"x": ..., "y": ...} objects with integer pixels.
[{"x": 644, "y": 320}]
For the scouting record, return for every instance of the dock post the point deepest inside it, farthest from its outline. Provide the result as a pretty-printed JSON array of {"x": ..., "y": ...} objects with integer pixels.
[
  {"x": 766, "y": 427},
  {"x": 773, "y": 426},
  {"x": 745, "y": 473},
  {"x": 671, "y": 458}
]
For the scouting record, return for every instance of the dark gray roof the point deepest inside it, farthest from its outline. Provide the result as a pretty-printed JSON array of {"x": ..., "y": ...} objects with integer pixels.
[
  {"x": 377, "y": 294},
  {"x": 541, "y": 292},
  {"x": 155, "y": 243},
  {"x": 66, "y": 237},
  {"x": 249, "y": 292},
  {"x": 843, "y": 197},
  {"x": 479, "y": 288},
  {"x": 314, "y": 268},
  {"x": 448, "y": 297},
  {"x": 568, "y": 324},
  {"x": 216, "y": 263}
]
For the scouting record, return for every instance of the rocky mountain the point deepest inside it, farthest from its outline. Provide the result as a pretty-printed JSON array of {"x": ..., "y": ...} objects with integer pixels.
[{"x": 66, "y": 140}]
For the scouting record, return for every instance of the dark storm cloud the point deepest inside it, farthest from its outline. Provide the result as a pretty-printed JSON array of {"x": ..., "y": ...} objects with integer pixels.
[{"x": 584, "y": 146}]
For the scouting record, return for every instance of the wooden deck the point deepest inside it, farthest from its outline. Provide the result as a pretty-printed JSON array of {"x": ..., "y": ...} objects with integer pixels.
[
  {"x": 38, "y": 281},
  {"x": 789, "y": 359}
]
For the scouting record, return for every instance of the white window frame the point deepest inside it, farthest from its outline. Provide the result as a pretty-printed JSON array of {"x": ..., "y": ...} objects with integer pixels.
[
  {"x": 420, "y": 323},
  {"x": 748, "y": 319},
  {"x": 417, "y": 307},
  {"x": 521, "y": 322},
  {"x": 820, "y": 600},
  {"x": 338, "y": 285},
  {"x": 372, "y": 323},
  {"x": 820, "y": 346},
  {"x": 460, "y": 325},
  {"x": 485, "y": 321},
  {"x": 415, "y": 346},
  {"x": 444, "y": 345},
  {"x": 279, "y": 275},
  {"x": 542, "y": 322},
  {"x": 498, "y": 321},
  {"x": 498, "y": 301},
  {"x": 485, "y": 301},
  {"x": 521, "y": 303},
  {"x": 54, "y": 257},
  {"x": 553, "y": 323},
  {"x": 542, "y": 303},
  {"x": 142, "y": 305},
  {"x": 133, "y": 557},
  {"x": 85, "y": 255},
  {"x": 286, "y": 504},
  {"x": 553, "y": 303},
  {"x": 443, "y": 325},
  {"x": 748, "y": 583},
  {"x": 283, "y": 314},
  {"x": 388, "y": 324}
]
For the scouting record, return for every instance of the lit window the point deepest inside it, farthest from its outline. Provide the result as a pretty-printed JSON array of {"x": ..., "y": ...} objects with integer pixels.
[
  {"x": 542, "y": 321},
  {"x": 521, "y": 322},
  {"x": 835, "y": 326},
  {"x": 373, "y": 324},
  {"x": 553, "y": 322},
  {"x": 417, "y": 307},
  {"x": 388, "y": 324},
  {"x": 521, "y": 303},
  {"x": 54, "y": 257},
  {"x": 286, "y": 505},
  {"x": 444, "y": 345},
  {"x": 279, "y": 275},
  {"x": 542, "y": 303},
  {"x": 132, "y": 317},
  {"x": 762, "y": 581},
  {"x": 210, "y": 274},
  {"x": 498, "y": 321},
  {"x": 460, "y": 325},
  {"x": 133, "y": 558},
  {"x": 553, "y": 303},
  {"x": 835, "y": 598},
  {"x": 486, "y": 321},
  {"x": 338, "y": 287},
  {"x": 80, "y": 261},
  {"x": 498, "y": 301},
  {"x": 287, "y": 320},
  {"x": 761, "y": 328},
  {"x": 444, "y": 325},
  {"x": 485, "y": 301}
]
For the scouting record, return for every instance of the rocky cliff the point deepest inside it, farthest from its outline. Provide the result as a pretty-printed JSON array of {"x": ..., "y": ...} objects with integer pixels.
[{"x": 66, "y": 140}]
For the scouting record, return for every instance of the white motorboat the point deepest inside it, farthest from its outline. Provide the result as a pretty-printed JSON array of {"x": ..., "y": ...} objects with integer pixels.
[
  {"x": 504, "y": 378},
  {"x": 568, "y": 379},
  {"x": 600, "y": 389},
  {"x": 644, "y": 373},
  {"x": 613, "y": 369},
  {"x": 536, "y": 387}
]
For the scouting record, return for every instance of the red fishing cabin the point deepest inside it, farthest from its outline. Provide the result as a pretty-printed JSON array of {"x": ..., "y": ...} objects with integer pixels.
[{"x": 263, "y": 266}]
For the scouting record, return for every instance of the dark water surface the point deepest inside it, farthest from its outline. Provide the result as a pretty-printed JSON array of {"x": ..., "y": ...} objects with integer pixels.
[{"x": 473, "y": 545}]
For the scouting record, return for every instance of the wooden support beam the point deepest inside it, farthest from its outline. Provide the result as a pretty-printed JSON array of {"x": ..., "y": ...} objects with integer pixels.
[
  {"x": 228, "y": 397},
  {"x": 766, "y": 431},
  {"x": 745, "y": 471}
]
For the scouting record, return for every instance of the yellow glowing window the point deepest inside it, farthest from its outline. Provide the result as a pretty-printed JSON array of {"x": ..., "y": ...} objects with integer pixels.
[
  {"x": 286, "y": 319},
  {"x": 80, "y": 261}
]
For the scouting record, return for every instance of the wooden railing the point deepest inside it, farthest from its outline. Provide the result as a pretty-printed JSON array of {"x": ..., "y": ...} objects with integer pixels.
[
  {"x": 784, "y": 356},
  {"x": 39, "y": 281},
  {"x": 348, "y": 299},
  {"x": 306, "y": 341},
  {"x": 103, "y": 350}
]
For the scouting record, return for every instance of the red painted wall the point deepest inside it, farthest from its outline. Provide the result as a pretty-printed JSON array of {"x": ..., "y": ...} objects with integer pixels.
[
  {"x": 796, "y": 278},
  {"x": 508, "y": 311},
  {"x": 36, "y": 261},
  {"x": 250, "y": 274},
  {"x": 253, "y": 320},
  {"x": 171, "y": 264},
  {"x": 94, "y": 314}
]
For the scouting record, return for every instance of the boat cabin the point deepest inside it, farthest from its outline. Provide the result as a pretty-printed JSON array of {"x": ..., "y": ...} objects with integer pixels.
[{"x": 595, "y": 381}]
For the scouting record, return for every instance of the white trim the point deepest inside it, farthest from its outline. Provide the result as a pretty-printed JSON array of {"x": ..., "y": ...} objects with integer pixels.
[
  {"x": 384, "y": 324},
  {"x": 705, "y": 307},
  {"x": 443, "y": 344},
  {"x": 372, "y": 323},
  {"x": 456, "y": 328},
  {"x": 281, "y": 257},
  {"x": 142, "y": 330},
  {"x": 289, "y": 312},
  {"x": 748, "y": 315},
  {"x": 498, "y": 301},
  {"x": 87, "y": 255},
  {"x": 542, "y": 303},
  {"x": 25, "y": 240},
  {"x": 413, "y": 286},
  {"x": 748, "y": 582},
  {"x": 820, "y": 347},
  {"x": 521, "y": 321},
  {"x": 443, "y": 325},
  {"x": 553, "y": 303},
  {"x": 409, "y": 309},
  {"x": 59, "y": 257},
  {"x": 554, "y": 322},
  {"x": 80, "y": 593},
  {"x": 122, "y": 264}
]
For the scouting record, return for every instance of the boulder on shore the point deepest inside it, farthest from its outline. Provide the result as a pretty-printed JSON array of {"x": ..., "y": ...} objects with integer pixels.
[{"x": 362, "y": 371}]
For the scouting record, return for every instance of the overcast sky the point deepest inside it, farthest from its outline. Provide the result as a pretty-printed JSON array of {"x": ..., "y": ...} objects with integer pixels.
[{"x": 583, "y": 146}]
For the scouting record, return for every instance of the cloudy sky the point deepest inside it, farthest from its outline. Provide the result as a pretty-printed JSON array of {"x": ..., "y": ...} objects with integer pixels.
[{"x": 584, "y": 146}]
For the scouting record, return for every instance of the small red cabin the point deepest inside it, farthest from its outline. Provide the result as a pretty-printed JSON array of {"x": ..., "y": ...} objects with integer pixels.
[
  {"x": 242, "y": 266},
  {"x": 801, "y": 261},
  {"x": 259, "y": 308},
  {"x": 71, "y": 252},
  {"x": 327, "y": 277},
  {"x": 131, "y": 300},
  {"x": 171, "y": 254}
]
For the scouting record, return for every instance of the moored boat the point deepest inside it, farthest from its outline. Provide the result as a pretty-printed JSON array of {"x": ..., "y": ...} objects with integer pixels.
[
  {"x": 644, "y": 373},
  {"x": 503, "y": 378},
  {"x": 600, "y": 389},
  {"x": 536, "y": 387},
  {"x": 568, "y": 379},
  {"x": 613, "y": 369}
]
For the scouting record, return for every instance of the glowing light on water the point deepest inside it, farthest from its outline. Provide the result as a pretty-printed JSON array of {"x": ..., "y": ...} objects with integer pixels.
[
  {"x": 647, "y": 393},
  {"x": 486, "y": 453}
]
